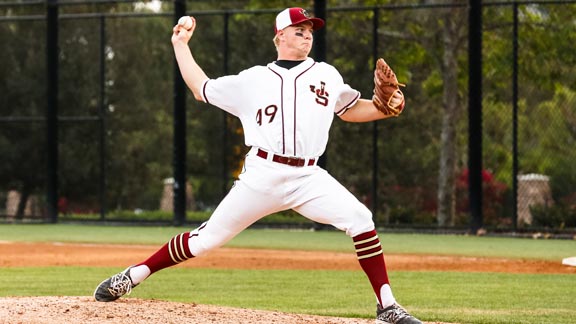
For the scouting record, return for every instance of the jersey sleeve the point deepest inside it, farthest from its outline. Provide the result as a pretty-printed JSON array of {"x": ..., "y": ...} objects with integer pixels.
[
  {"x": 346, "y": 97},
  {"x": 224, "y": 92}
]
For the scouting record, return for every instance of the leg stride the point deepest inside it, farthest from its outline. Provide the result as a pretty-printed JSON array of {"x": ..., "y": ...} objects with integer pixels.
[
  {"x": 120, "y": 284},
  {"x": 371, "y": 259}
]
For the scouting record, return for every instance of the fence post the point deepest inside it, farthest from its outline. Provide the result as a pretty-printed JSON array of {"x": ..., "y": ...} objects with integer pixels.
[
  {"x": 515, "y": 119},
  {"x": 475, "y": 114},
  {"x": 102, "y": 117},
  {"x": 319, "y": 48},
  {"x": 225, "y": 133},
  {"x": 179, "y": 154},
  {"x": 52, "y": 110},
  {"x": 375, "y": 131},
  {"x": 320, "y": 56}
]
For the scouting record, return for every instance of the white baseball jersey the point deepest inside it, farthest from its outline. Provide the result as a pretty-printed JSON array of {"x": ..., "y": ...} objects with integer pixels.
[{"x": 285, "y": 111}]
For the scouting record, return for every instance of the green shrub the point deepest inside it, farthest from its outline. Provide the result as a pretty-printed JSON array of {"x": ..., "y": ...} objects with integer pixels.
[
  {"x": 557, "y": 216},
  {"x": 135, "y": 216}
]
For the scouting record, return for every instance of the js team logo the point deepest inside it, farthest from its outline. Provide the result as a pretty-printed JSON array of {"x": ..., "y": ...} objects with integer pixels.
[{"x": 321, "y": 93}]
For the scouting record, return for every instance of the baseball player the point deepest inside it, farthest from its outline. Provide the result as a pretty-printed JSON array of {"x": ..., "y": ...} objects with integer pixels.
[{"x": 286, "y": 109}]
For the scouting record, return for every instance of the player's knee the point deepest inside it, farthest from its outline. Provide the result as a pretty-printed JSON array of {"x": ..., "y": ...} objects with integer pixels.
[
  {"x": 205, "y": 238},
  {"x": 361, "y": 222},
  {"x": 202, "y": 245}
]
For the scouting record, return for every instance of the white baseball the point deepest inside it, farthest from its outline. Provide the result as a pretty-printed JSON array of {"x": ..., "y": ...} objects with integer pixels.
[{"x": 186, "y": 22}]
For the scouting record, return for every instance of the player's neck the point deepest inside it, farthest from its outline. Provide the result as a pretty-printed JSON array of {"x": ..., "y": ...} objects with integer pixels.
[
  {"x": 291, "y": 58},
  {"x": 288, "y": 64}
]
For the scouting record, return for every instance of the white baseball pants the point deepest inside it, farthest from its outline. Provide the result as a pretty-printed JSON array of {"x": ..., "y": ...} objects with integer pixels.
[{"x": 267, "y": 187}]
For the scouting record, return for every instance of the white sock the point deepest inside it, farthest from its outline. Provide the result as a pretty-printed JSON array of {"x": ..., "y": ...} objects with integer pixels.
[
  {"x": 386, "y": 296},
  {"x": 139, "y": 273}
]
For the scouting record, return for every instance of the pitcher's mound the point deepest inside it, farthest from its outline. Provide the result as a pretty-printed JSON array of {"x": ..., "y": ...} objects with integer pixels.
[{"x": 52, "y": 310}]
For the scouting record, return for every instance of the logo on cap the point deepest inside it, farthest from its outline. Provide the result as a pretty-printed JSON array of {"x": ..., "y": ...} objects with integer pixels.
[{"x": 293, "y": 16}]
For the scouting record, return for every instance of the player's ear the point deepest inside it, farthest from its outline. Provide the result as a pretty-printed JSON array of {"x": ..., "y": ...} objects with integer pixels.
[{"x": 280, "y": 34}]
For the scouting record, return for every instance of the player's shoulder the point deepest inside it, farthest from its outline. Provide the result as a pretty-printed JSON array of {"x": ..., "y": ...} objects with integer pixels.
[
  {"x": 254, "y": 69},
  {"x": 325, "y": 65},
  {"x": 327, "y": 68},
  {"x": 251, "y": 72}
]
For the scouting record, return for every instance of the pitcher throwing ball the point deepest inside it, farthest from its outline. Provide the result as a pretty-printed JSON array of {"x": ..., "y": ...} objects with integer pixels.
[{"x": 286, "y": 108}]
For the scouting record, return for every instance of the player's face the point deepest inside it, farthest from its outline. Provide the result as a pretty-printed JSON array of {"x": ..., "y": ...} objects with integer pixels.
[{"x": 299, "y": 39}]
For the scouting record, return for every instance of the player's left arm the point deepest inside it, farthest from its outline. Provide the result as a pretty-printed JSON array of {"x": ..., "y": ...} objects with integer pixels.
[{"x": 363, "y": 111}]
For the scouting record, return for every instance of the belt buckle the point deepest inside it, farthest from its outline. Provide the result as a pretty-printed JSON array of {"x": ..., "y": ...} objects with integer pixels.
[
  {"x": 292, "y": 160},
  {"x": 298, "y": 161}
]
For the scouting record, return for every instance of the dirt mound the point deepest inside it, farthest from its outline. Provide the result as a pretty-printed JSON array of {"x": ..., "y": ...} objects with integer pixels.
[
  {"x": 56, "y": 310},
  {"x": 51, "y": 310}
]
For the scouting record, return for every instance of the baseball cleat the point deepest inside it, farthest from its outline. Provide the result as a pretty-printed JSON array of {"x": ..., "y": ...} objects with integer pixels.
[
  {"x": 114, "y": 287},
  {"x": 394, "y": 314}
]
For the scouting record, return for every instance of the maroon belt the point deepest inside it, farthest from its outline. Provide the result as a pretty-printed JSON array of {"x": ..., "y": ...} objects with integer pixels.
[{"x": 291, "y": 161}]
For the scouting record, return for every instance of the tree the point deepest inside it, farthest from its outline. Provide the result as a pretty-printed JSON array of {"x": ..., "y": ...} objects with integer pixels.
[
  {"x": 453, "y": 37},
  {"x": 22, "y": 87}
]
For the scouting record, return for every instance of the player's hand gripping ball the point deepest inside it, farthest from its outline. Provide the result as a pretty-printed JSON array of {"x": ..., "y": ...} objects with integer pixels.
[
  {"x": 387, "y": 95},
  {"x": 186, "y": 22}
]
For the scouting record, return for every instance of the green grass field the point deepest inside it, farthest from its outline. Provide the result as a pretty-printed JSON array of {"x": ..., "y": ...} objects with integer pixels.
[{"x": 433, "y": 296}]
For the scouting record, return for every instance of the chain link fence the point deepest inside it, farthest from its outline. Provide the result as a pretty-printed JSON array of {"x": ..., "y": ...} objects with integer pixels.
[{"x": 115, "y": 111}]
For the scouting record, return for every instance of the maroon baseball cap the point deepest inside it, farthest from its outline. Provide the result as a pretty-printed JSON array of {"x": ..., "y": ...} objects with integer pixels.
[{"x": 293, "y": 16}]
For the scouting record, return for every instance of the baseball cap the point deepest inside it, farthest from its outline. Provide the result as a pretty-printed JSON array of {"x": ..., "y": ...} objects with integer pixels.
[{"x": 293, "y": 16}]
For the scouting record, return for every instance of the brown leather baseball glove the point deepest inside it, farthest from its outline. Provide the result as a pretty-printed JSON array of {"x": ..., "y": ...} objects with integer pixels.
[{"x": 387, "y": 95}]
